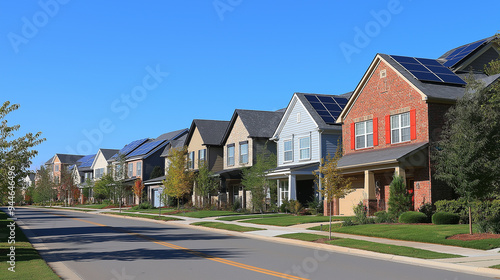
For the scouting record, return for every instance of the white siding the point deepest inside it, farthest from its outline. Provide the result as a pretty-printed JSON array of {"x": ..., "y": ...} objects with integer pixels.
[
  {"x": 292, "y": 129},
  {"x": 100, "y": 162}
]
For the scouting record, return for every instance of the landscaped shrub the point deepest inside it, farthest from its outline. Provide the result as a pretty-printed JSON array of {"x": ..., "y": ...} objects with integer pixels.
[
  {"x": 454, "y": 206},
  {"x": 445, "y": 218},
  {"x": 428, "y": 210},
  {"x": 295, "y": 206},
  {"x": 484, "y": 213},
  {"x": 315, "y": 206},
  {"x": 285, "y": 206},
  {"x": 236, "y": 206},
  {"x": 383, "y": 217},
  {"x": 361, "y": 212},
  {"x": 412, "y": 217},
  {"x": 348, "y": 222},
  {"x": 144, "y": 205},
  {"x": 399, "y": 198}
]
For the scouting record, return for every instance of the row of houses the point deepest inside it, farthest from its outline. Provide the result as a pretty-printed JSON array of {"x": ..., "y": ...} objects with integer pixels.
[{"x": 386, "y": 125}]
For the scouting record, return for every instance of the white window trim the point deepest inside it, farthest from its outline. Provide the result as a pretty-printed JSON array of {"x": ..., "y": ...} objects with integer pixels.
[
  {"x": 241, "y": 154},
  {"x": 308, "y": 148},
  {"x": 130, "y": 170},
  {"x": 284, "y": 151},
  {"x": 400, "y": 128},
  {"x": 365, "y": 135},
  {"x": 228, "y": 157},
  {"x": 138, "y": 170}
]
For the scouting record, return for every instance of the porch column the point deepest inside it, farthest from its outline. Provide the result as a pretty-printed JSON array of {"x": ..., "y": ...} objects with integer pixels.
[
  {"x": 370, "y": 200},
  {"x": 400, "y": 171},
  {"x": 292, "y": 187},
  {"x": 278, "y": 189}
]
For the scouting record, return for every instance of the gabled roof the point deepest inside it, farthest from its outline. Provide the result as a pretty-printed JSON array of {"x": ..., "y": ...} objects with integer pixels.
[
  {"x": 259, "y": 124},
  {"x": 179, "y": 142},
  {"x": 469, "y": 49},
  {"x": 211, "y": 131},
  {"x": 153, "y": 145},
  {"x": 85, "y": 163},
  {"x": 432, "y": 92},
  {"x": 65, "y": 158},
  {"x": 172, "y": 134},
  {"x": 127, "y": 149},
  {"x": 108, "y": 153}
]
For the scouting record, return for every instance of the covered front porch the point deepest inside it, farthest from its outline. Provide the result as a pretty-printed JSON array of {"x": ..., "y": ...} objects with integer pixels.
[{"x": 371, "y": 173}]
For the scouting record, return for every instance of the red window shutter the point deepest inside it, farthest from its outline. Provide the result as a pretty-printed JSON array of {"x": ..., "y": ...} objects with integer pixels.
[
  {"x": 375, "y": 131},
  {"x": 388, "y": 129},
  {"x": 353, "y": 137},
  {"x": 413, "y": 124}
]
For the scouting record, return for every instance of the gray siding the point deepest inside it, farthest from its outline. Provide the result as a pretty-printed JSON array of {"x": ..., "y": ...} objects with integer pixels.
[
  {"x": 295, "y": 130},
  {"x": 215, "y": 158},
  {"x": 329, "y": 143},
  {"x": 263, "y": 146}
]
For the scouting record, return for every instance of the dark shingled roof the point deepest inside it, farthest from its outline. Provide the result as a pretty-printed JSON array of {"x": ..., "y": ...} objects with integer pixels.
[
  {"x": 211, "y": 131},
  {"x": 108, "y": 153},
  {"x": 392, "y": 154},
  {"x": 179, "y": 142},
  {"x": 259, "y": 124},
  {"x": 171, "y": 135},
  {"x": 443, "y": 59},
  {"x": 65, "y": 158}
]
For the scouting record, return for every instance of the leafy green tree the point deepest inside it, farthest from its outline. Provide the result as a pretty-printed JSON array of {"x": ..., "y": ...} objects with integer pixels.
[
  {"x": 15, "y": 154},
  {"x": 45, "y": 186},
  {"x": 178, "y": 180},
  {"x": 254, "y": 179},
  {"x": 205, "y": 182},
  {"x": 334, "y": 184},
  {"x": 67, "y": 186},
  {"x": 468, "y": 155},
  {"x": 157, "y": 172},
  {"x": 104, "y": 187},
  {"x": 399, "y": 197}
]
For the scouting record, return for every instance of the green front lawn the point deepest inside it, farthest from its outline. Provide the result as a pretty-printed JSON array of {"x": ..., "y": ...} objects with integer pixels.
[
  {"x": 495, "y": 266},
  {"x": 246, "y": 217},
  {"x": 226, "y": 226},
  {"x": 207, "y": 213},
  {"x": 29, "y": 264},
  {"x": 153, "y": 211},
  {"x": 291, "y": 220},
  {"x": 163, "y": 218},
  {"x": 372, "y": 246},
  {"x": 94, "y": 206},
  {"x": 421, "y": 233}
]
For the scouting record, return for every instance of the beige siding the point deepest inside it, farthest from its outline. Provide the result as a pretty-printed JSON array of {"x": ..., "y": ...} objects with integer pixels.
[
  {"x": 196, "y": 144},
  {"x": 347, "y": 203},
  {"x": 238, "y": 134}
]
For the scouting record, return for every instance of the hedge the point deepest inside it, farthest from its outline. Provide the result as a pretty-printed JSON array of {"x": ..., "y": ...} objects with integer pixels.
[
  {"x": 412, "y": 217},
  {"x": 445, "y": 218}
]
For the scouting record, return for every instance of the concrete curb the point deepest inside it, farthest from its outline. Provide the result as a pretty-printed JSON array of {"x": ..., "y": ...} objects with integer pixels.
[{"x": 481, "y": 271}]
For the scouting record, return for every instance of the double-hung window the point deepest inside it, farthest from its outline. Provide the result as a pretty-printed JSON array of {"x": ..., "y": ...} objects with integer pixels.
[
  {"x": 202, "y": 154},
  {"x": 288, "y": 150},
  {"x": 191, "y": 160},
  {"x": 400, "y": 128},
  {"x": 130, "y": 170},
  {"x": 364, "y": 134},
  {"x": 305, "y": 148},
  {"x": 139, "y": 169},
  {"x": 244, "y": 152},
  {"x": 230, "y": 154},
  {"x": 56, "y": 167}
]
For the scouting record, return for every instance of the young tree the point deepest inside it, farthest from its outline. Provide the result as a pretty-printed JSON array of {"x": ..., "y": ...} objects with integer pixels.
[
  {"x": 205, "y": 182},
  {"x": 120, "y": 172},
  {"x": 179, "y": 180},
  {"x": 138, "y": 188},
  {"x": 15, "y": 154},
  {"x": 44, "y": 186},
  {"x": 468, "y": 155},
  {"x": 254, "y": 179},
  {"x": 399, "y": 198},
  {"x": 67, "y": 185},
  {"x": 157, "y": 172},
  {"x": 104, "y": 187},
  {"x": 334, "y": 184}
]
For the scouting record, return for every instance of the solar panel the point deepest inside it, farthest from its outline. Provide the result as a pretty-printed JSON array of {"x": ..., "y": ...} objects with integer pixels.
[
  {"x": 129, "y": 147},
  {"x": 462, "y": 52},
  {"x": 327, "y": 107},
  {"x": 146, "y": 148},
  {"x": 86, "y": 161},
  {"x": 429, "y": 70}
]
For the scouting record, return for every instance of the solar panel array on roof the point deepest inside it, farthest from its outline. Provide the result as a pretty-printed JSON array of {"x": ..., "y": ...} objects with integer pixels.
[
  {"x": 86, "y": 161},
  {"x": 131, "y": 146},
  {"x": 327, "y": 107},
  {"x": 458, "y": 54},
  {"x": 146, "y": 148},
  {"x": 429, "y": 70}
]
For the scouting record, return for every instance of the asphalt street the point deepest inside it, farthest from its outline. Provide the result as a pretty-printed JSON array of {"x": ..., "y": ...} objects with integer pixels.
[{"x": 113, "y": 248}]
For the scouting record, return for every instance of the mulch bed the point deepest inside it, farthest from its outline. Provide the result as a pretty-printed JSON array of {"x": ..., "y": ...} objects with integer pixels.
[{"x": 475, "y": 236}]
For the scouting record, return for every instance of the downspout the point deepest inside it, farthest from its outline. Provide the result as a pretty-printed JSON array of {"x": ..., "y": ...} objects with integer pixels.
[{"x": 320, "y": 131}]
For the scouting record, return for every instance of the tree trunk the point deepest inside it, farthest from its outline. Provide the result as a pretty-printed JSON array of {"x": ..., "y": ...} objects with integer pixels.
[
  {"x": 330, "y": 225},
  {"x": 470, "y": 221}
]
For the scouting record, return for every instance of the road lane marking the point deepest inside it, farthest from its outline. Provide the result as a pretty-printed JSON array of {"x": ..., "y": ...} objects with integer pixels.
[{"x": 190, "y": 251}]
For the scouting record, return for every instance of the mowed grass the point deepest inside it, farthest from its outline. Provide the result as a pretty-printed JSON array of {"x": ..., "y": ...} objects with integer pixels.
[
  {"x": 161, "y": 218},
  {"x": 495, "y": 266},
  {"x": 420, "y": 233},
  {"x": 153, "y": 211},
  {"x": 29, "y": 264},
  {"x": 372, "y": 246},
  {"x": 219, "y": 225},
  {"x": 207, "y": 213},
  {"x": 256, "y": 216},
  {"x": 291, "y": 220},
  {"x": 94, "y": 206}
]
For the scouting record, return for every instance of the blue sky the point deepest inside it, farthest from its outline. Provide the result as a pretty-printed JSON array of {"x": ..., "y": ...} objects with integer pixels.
[{"x": 99, "y": 74}]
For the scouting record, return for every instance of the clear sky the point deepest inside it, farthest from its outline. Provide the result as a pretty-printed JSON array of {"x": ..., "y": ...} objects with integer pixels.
[{"x": 99, "y": 74}]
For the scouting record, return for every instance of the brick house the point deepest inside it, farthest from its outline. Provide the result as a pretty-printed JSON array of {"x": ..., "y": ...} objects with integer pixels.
[{"x": 391, "y": 120}]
